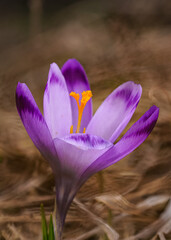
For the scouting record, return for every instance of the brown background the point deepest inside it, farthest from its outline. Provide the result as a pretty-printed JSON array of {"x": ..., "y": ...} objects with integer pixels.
[{"x": 116, "y": 41}]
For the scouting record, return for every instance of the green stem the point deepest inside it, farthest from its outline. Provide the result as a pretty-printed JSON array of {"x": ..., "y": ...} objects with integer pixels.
[{"x": 44, "y": 223}]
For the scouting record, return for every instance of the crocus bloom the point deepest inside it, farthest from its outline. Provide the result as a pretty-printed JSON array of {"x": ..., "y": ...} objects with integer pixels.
[{"x": 75, "y": 143}]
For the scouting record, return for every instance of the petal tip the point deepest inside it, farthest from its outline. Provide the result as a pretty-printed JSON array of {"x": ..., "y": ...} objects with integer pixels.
[
  {"x": 53, "y": 68},
  {"x": 20, "y": 88},
  {"x": 73, "y": 62},
  {"x": 148, "y": 121},
  {"x": 153, "y": 111},
  {"x": 138, "y": 85},
  {"x": 55, "y": 76},
  {"x": 53, "y": 65},
  {"x": 72, "y": 65},
  {"x": 25, "y": 102},
  {"x": 156, "y": 110},
  {"x": 75, "y": 75},
  {"x": 155, "y": 107},
  {"x": 130, "y": 92}
]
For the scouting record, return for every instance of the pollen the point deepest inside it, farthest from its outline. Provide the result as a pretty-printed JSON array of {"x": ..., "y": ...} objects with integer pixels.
[
  {"x": 76, "y": 96},
  {"x": 86, "y": 95},
  {"x": 71, "y": 129}
]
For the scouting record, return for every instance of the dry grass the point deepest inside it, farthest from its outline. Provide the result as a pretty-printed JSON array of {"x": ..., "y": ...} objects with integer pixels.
[{"x": 134, "y": 202}]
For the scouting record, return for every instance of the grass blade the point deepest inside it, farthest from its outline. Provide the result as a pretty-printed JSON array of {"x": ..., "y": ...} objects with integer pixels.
[
  {"x": 51, "y": 229},
  {"x": 44, "y": 223}
]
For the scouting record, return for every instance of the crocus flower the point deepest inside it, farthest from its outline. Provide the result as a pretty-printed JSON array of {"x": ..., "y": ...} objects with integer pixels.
[{"x": 75, "y": 143}]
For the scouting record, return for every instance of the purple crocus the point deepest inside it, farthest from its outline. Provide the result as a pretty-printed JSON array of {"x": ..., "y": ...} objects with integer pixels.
[{"x": 75, "y": 143}]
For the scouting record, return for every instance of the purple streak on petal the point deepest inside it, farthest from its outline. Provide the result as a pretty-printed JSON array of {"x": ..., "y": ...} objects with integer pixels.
[
  {"x": 57, "y": 107},
  {"x": 130, "y": 141},
  {"x": 35, "y": 124},
  {"x": 25, "y": 105},
  {"x": 74, "y": 73},
  {"x": 55, "y": 79},
  {"x": 77, "y": 151},
  {"x": 77, "y": 81},
  {"x": 115, "y": 112},
  {"x": 37, "y": 129},
  {"x": 87, "y": 141},
  {"x": 126, "y": 94}
]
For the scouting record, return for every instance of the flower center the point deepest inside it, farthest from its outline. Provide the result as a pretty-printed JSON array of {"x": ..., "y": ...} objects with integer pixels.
[{"x": 86, "y": 95}]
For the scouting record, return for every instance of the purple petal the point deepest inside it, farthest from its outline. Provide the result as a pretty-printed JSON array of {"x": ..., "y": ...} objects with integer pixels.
[
  {"x": 76, "y": 152},
  {"x": 57, "y": 107},
  {"x": 82, "y": 150},
  {"x": 130, "y": 141},
  {"x": 77, "y": 81},
  {"x": 34, "y": 123},
  {"x": 115, "y": 112}
]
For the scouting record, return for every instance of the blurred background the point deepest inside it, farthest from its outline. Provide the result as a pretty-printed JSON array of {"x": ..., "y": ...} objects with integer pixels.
[{"x": 116, "y": 41}]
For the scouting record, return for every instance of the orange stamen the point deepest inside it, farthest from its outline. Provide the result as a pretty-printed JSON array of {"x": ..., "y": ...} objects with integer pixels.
[
  {"x": 71, "y": 129},
  {"x": 76, "y": 96},
  {"x": 86, "y": 95}
]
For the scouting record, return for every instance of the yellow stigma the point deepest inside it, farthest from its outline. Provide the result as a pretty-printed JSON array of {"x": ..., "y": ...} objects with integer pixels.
[{"x": 86, "y": 95}]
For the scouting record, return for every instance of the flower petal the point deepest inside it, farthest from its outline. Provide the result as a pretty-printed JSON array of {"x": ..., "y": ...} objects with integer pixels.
[
  {"x": 77, "y": 81},
  {"x": 57, "y": 107},
  {"x": 82, "y": 150},
  {"x": 34, "y": 123},
  {"x": 115, "y": 112},
  {"x": 130, "y": 141},
  {"x": 76, "y": 152}
]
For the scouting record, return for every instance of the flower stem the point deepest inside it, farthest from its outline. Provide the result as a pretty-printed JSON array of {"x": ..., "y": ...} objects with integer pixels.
[{"x": 57, "y": 224}]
